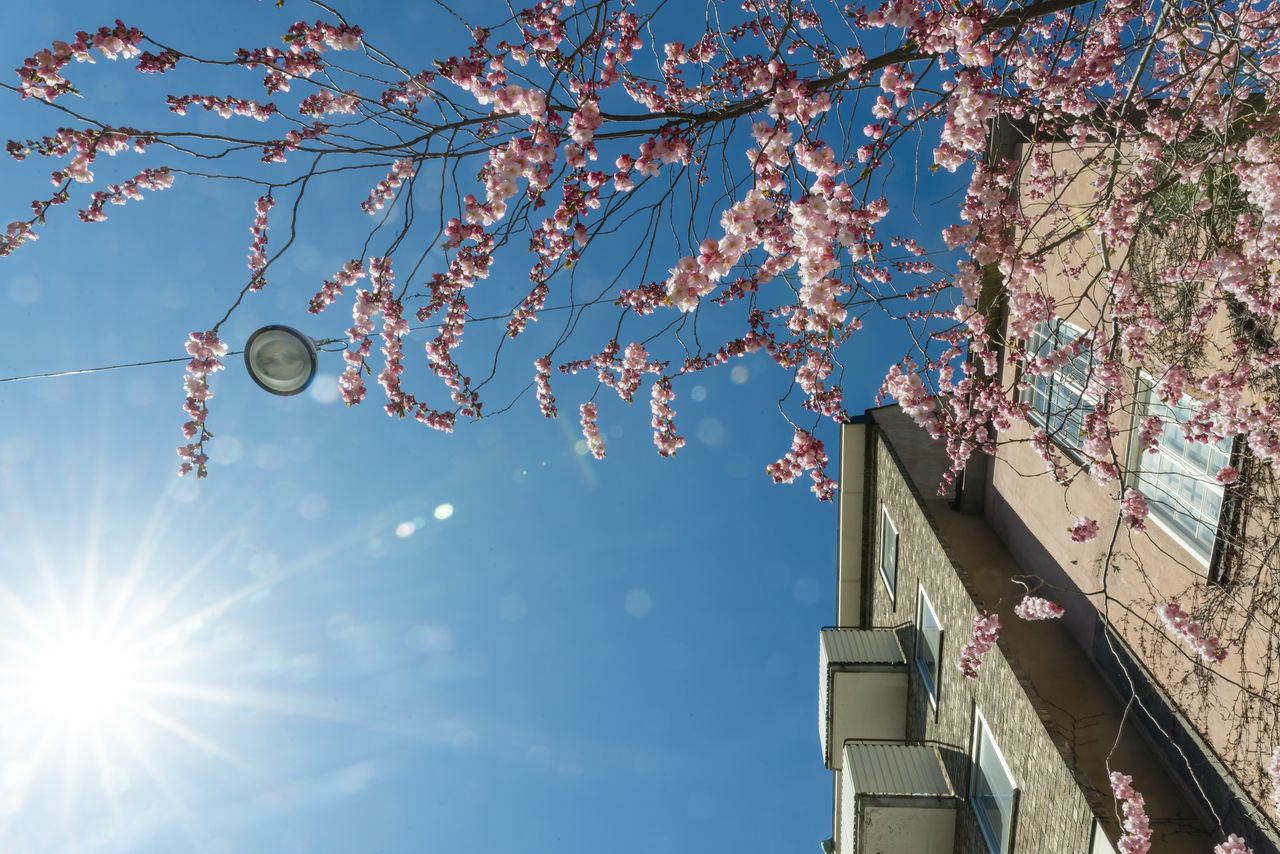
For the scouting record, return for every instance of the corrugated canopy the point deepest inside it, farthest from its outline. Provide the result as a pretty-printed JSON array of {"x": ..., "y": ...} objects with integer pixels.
[{"x": 896, "y": 770}]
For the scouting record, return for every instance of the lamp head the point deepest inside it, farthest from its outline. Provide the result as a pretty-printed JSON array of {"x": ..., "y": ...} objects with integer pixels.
[{"x": 280, "y": 359}]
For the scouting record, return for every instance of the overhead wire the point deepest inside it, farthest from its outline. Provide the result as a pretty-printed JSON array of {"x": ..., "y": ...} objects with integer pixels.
[{"x": 320, "y": 344}]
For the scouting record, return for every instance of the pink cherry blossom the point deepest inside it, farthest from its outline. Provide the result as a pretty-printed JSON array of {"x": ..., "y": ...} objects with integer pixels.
[
  {"x": 986, "y": 629},
  {"x": 131, "y": 190},
  {"x": 1137, "y": 826},
  {"x": 1084, "y": 530},
  {"x": 205, "y": 349},
  {"x": 41, "y": 74},
  {"x": 329, "y": 292},
  {"x": 1036, "y": 608},
  {"x": 807, "y": 454},
  {"x": 1192, "y": 632},
  {"x": 664, "y": 429},
  {"x": 590, "y": 431},
  {"x": 224, "y": 107},
  {"x": 1133, "y": 509},
  {"x": 385, "y": 189},
  {"x": 1233, "y": 845},
  {"x": 542, "y": 379}
]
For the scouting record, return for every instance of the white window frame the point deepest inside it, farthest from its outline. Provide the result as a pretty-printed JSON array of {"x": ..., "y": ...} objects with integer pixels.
[
  {"x": 886, "y": 524},
  {"x": 931, "y": 682},
  {"x": 1002, "y": 846},
  {"x": 1099, "y": 843},
  {"x": 1045, "y": 338},
  {"x": 1161, "y": 512}
]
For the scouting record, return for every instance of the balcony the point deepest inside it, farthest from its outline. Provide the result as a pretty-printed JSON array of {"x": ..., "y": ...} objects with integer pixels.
[
  {"x": 862, "y": 688},
  {"x": 896, "y": 797}
]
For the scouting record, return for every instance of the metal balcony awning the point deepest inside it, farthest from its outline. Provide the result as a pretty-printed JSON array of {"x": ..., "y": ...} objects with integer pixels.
[
  {"x": 862, "y": 688},
  {"x": 896, "y": 797}
]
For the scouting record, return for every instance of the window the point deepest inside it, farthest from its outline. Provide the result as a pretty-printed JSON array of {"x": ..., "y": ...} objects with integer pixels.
[
  {"x": 991, "y": 789},
  {"x": 1058, "y": 402},
  {"x": 888, "y": 553},
  {"x": 1179, "y": 480},
  {"x": 928, "y": 646},
  {"x": 1100, "y": 844}
]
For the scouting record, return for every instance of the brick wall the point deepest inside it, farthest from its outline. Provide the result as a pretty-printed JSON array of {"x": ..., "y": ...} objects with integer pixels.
[{"x": 1051, "y": 804}]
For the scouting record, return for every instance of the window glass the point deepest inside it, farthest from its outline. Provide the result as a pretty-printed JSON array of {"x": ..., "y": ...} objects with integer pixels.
[
  {"x": 1100, "y": 844},
  {"x": 1057, "y": 400},
  {"x": 888, "y": 552},
  {"x": 928, "y": 646},
  {"x": 992, "y": 791},
  {"x": 1179, "y": 479}
]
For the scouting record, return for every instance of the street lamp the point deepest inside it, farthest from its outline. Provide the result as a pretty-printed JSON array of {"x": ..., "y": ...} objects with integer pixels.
[{"x": 280, "y": 359}]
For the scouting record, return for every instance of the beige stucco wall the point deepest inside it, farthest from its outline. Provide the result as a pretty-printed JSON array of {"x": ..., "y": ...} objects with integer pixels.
[{"x": 1125, "y": 574}]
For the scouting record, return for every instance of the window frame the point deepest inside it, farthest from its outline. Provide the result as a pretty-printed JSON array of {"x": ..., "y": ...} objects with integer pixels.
[
  {"x": 1159, "y": 513},
  {"x": 932, "y": 684},
  {"x": 980, "y": 725},
  {"x": 890, "y": 584},
  {"x": 1046, "y": 331},
  {"x": 1099, "y": 842}
]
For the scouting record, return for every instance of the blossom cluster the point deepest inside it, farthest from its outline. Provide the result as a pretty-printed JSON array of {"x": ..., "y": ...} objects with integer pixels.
[
  {"x": 1137, "y": 825},
  {"x": 258, "y": 248},
  {"x": 41, "y": 74},
  {"x": 119, "y": 194},
  {"x": 401, "y": 171},
  {"x": 1233, "y": 845},
  {"x": 351, "y": 380},
  {"x": 906, "y": 387},
  {"x": 542, "y": 380},
  {"x": 224, "y": 107},
  {"x": 158, "y": 63},
  {"x": 331, "y": 289},
  {"x": 15, "y": 234},
  {"x": 807, "y": 454},
  {"x": 1084, "y": 530},
  {"x": 205, "y": 349},
  {"x": 283, "y": 66},
  {"x": 621, "y": 373},
  {"x": 1192, "y": 632},
  {"x": 591, "y": 430},
  {"x": 1133, "y": 509},
  {"x": 527, "y": 158},
  {"x": 87, "y": 145},
  {"x": 321, "y": 35},
  {"x": 325, "y": 102},
  {"x": 274, "y": 152},
  {"x": 664, "y": 418},
  {"x": 382, "y": 299},
  {"x": 986, "y": 629},
  {"x": 1037, "y": 608}
]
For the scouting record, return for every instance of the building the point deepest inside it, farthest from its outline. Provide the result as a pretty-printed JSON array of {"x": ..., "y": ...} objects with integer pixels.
[{"x": 923, "y": 759}]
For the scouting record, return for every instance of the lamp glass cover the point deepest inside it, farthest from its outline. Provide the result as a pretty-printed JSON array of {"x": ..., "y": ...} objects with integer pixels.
[{"x": 280, "y": 359}]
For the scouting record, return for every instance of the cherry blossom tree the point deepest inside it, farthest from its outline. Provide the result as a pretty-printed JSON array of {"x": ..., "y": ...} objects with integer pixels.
[{"x": 751, "y": 150}]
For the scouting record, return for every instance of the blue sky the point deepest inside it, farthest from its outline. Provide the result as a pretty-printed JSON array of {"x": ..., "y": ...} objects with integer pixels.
[{"x": 363, "y": 635}]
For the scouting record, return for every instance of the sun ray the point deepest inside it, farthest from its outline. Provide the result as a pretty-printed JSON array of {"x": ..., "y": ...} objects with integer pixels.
[
  {"x": 195, "y": 738},
  {"x": 191, "y": 822},
  {"x": 106, "y": 774}
]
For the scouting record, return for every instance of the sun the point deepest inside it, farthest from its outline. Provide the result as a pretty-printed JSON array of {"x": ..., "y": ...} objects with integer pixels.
[
  {"x": 87, "y": 678},
  {"x": 82, "y": 681}
]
